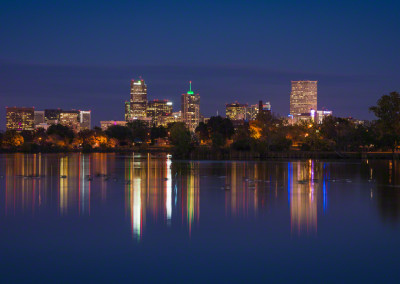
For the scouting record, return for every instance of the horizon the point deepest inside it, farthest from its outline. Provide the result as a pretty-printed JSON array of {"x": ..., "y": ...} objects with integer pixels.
[{"x": 69, "y": 56}]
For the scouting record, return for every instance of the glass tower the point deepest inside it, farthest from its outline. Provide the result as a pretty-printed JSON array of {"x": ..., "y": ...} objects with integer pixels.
[{"x": 303, "y": 97}]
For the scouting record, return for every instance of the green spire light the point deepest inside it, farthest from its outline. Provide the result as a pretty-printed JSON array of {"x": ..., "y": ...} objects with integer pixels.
[{"x": 190, "y": 88}]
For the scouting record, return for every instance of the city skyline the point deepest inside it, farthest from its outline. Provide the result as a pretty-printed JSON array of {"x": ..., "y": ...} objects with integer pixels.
[
  {"x": 246, "y": 62},
  {"x": 303, "y": 103},
  {"x": 211, "y": 102}
]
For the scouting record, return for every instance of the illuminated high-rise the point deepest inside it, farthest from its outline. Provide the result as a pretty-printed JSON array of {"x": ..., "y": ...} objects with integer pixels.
[
  {"x": 20, "y": 118},
  {"x": 157, "y": 109},
  {"x": 70, "y": 118},
  {"x": 138, "y": 102},
  {"x": 236, "y": 111},
  {"x": 190, "y": 104},
  {"x": 303, "y": 97},
  {"x": 85, "y": 119}
]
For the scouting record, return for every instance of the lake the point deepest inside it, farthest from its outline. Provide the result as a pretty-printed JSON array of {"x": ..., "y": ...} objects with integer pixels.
[{"x": 107, "y": 217}]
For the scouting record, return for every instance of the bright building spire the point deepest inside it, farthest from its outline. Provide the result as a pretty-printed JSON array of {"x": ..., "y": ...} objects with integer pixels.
[{"x": 190, "y": 92}]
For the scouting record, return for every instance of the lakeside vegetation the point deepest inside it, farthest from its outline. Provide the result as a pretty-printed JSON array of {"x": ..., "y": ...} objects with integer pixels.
[{"x": 266, "y": 135}]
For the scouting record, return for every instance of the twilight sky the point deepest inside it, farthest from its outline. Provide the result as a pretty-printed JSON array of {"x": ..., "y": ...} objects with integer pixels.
[{"x": 82, "y": 54}]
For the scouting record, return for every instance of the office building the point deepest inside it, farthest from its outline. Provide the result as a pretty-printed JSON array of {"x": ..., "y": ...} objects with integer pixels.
[
  {"x": 313, "y": 116},
  {"x": 267, "y": 106},
  {"x": 128, "y": 114},
  {"x": 321, "y": 114},
  {"x": 52, "y": 116},
  {"x": 157, "y": 109},
  {"x": 303, "y": 97},
  {"x": 20, "y": 118},
  {"x": 85, "y": 120},
  {"x": 106, "y": 124},
  {"x": 236, "y": 111},
  {"x": 252, "y": 112},
  {"x": 138, "y": 100},
  {"x": 71, "y": 119},
  {"x": 38, "y": 117},
  {"x": 190, "y": 104}
]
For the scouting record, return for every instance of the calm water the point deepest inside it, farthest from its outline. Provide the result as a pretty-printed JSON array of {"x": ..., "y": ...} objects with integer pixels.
[{"x": 135, "y": 218}]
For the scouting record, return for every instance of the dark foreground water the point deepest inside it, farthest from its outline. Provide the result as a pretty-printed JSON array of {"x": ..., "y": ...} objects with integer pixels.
[{"x": 140, "y": 218}]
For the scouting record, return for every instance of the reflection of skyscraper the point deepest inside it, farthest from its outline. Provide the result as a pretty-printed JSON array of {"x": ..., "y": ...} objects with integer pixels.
[
  {"x": 22, "y": 194},
  {"x": 138, "y": 99},
  {"x": 168, "y": 191},
  {"x": 192, "y": 195},
  {"x": 190, "y": 103},
  {"x": 133, "y": 198},
  {"x": 303, "y": 97},
  {"x": 84, "y": 184},
  {"x": 63, "y": 204},
  {"x": 303, "y": 196}
]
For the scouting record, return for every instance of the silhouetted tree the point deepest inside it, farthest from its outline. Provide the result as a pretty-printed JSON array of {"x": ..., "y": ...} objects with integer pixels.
[
  {"x": 180, "y": 138},
  {"x": 387, "y": 111}
]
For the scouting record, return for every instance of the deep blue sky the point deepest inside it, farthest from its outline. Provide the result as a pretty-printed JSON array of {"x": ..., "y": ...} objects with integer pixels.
[{"x": 82, "y": 54}]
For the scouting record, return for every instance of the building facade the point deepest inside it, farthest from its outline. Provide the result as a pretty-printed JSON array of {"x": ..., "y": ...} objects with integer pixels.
[
  {"x": 303, "y": 97},
  {"x": 106, "y": 124},
  {"x": 20, "y": 118},
  {"x": 128, "y": 114},
  {"x": 157, "y": 109},
  {"x": 236, "y": 111},
  {"x": 70, "y": 118},
  {"x": 138, "y": 102},
  {"x": 252, "y": 112},
  {"x": 38, "y": 117},
  {"x": 52, "y": 116},
  {"x": 190, "y": 106},
  {"x": 85, "y": 119}
]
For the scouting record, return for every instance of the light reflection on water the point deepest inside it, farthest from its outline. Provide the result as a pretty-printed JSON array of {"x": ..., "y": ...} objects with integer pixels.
[
  {"x": 113, "y": 218},
  {"x": 167, "y": 192}
]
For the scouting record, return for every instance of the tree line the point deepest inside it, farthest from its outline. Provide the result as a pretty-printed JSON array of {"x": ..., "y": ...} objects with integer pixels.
[{"x": 267, "y": 133}]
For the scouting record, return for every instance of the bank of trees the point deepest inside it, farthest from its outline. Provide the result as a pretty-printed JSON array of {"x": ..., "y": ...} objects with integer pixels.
[{"x": 61, "y": 138}]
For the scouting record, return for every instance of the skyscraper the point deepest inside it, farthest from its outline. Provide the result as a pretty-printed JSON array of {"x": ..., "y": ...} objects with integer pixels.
[
  {"x": 303, "y": 97},
  {"x": 138, "y": 99},
  {"x": 84, "y": 119},
  {"x": 20, "y": 118},
  {"x": 158, "y": 108},
  {"x": 236, "y": 111},
  {"x": 70, "y": 118},
  {"x": 190, "y": 104}
]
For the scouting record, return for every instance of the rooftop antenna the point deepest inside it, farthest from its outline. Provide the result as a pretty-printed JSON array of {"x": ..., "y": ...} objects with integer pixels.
[{"x": 190, "y": 92}]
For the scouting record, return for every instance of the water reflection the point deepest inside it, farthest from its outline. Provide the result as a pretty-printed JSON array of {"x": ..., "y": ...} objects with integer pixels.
[
  {"x": 157, "y": 191},
  {"x": 303, "y": 186}
]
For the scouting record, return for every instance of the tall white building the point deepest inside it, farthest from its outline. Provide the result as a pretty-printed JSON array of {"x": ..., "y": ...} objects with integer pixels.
[
  {"x": 85, "y": 119},
  {"x": 190, "y": 104},
  {"x": 138, "y": 102}
]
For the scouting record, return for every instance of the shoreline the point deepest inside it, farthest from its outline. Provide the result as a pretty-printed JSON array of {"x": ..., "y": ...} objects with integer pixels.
[{"x": 223, "y": 154}]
